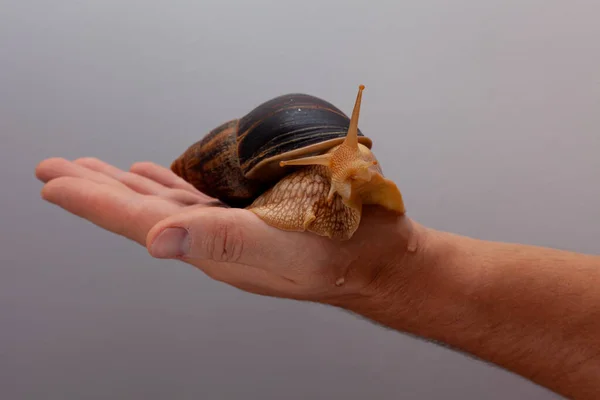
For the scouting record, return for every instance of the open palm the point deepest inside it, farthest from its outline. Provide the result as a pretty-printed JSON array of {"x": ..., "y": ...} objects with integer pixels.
[{"x": 152, "y": 206}]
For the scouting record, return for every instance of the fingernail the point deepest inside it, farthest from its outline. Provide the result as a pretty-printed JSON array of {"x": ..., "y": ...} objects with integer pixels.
[{"x": 172, "y": 242}]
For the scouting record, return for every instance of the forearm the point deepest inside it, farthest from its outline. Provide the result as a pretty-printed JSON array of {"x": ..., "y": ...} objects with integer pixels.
[{"x": 534, "y": 311}]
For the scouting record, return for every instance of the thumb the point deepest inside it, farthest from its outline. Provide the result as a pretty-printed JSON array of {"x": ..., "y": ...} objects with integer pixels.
[{"x": 226, "y": 235}]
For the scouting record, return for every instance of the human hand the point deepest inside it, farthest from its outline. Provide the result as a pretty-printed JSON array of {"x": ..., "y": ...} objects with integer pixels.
[
  {"x": 157, "y": 209},
  {"x": 439, "y": 286}
]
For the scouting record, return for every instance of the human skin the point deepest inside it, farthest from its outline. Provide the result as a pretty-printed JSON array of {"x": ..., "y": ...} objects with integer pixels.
[{"x": 534, "y": 311}]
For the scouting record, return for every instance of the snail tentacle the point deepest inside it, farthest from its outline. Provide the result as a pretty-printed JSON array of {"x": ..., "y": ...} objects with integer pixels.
[{"x": 355, "y": 172}]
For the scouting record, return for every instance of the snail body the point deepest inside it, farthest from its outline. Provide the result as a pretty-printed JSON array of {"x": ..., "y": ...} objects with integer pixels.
[{"x": 297, "y": 162}]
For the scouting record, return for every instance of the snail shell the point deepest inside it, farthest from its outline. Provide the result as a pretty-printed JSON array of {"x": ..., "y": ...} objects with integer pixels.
[
  {"x": 296, "y": 161},
  {"x": 238, "y": 160}
]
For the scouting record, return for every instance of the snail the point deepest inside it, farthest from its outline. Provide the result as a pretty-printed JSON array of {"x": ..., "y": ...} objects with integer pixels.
[{"x": 297, "y": 162}]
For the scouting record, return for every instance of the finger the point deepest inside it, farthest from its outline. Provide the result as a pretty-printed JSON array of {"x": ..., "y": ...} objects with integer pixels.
[
  {"x": 123, "y": 212},
  {"x": 164, "y": 176},
  {"x": 142, "y": 184},
  {"x": 136, "y": 182},
  {"x": 236, "y": 236},
  {"x": 54, "y": 168}
]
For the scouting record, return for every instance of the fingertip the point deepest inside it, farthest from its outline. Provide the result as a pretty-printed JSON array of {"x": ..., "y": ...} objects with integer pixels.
[
  {"x": 44, "y": 193},
  {"x": 43, "y": 168},
  {"x": 153, "y": 233},
  {"x": 170, "y": 243},
  {"x": 180, "y": 220},
  {"x": 39, "y": 168},
  {"x": 143, "y": 166},
  {"x": 85, "y": 161},
  {"x": 139, "y": 165},
  {"x": 51, "y": 190}
]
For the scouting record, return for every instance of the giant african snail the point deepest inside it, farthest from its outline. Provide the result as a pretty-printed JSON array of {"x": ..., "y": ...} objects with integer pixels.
[{"x": 297, "y": 162}]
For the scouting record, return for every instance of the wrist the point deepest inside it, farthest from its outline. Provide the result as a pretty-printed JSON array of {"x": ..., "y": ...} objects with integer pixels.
[
  {"x": 423, "y": 288},
  {"x": 501, "y": 302}
]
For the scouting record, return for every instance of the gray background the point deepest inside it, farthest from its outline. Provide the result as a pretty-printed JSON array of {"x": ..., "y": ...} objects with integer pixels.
[{"x": 487, "y": 114}]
